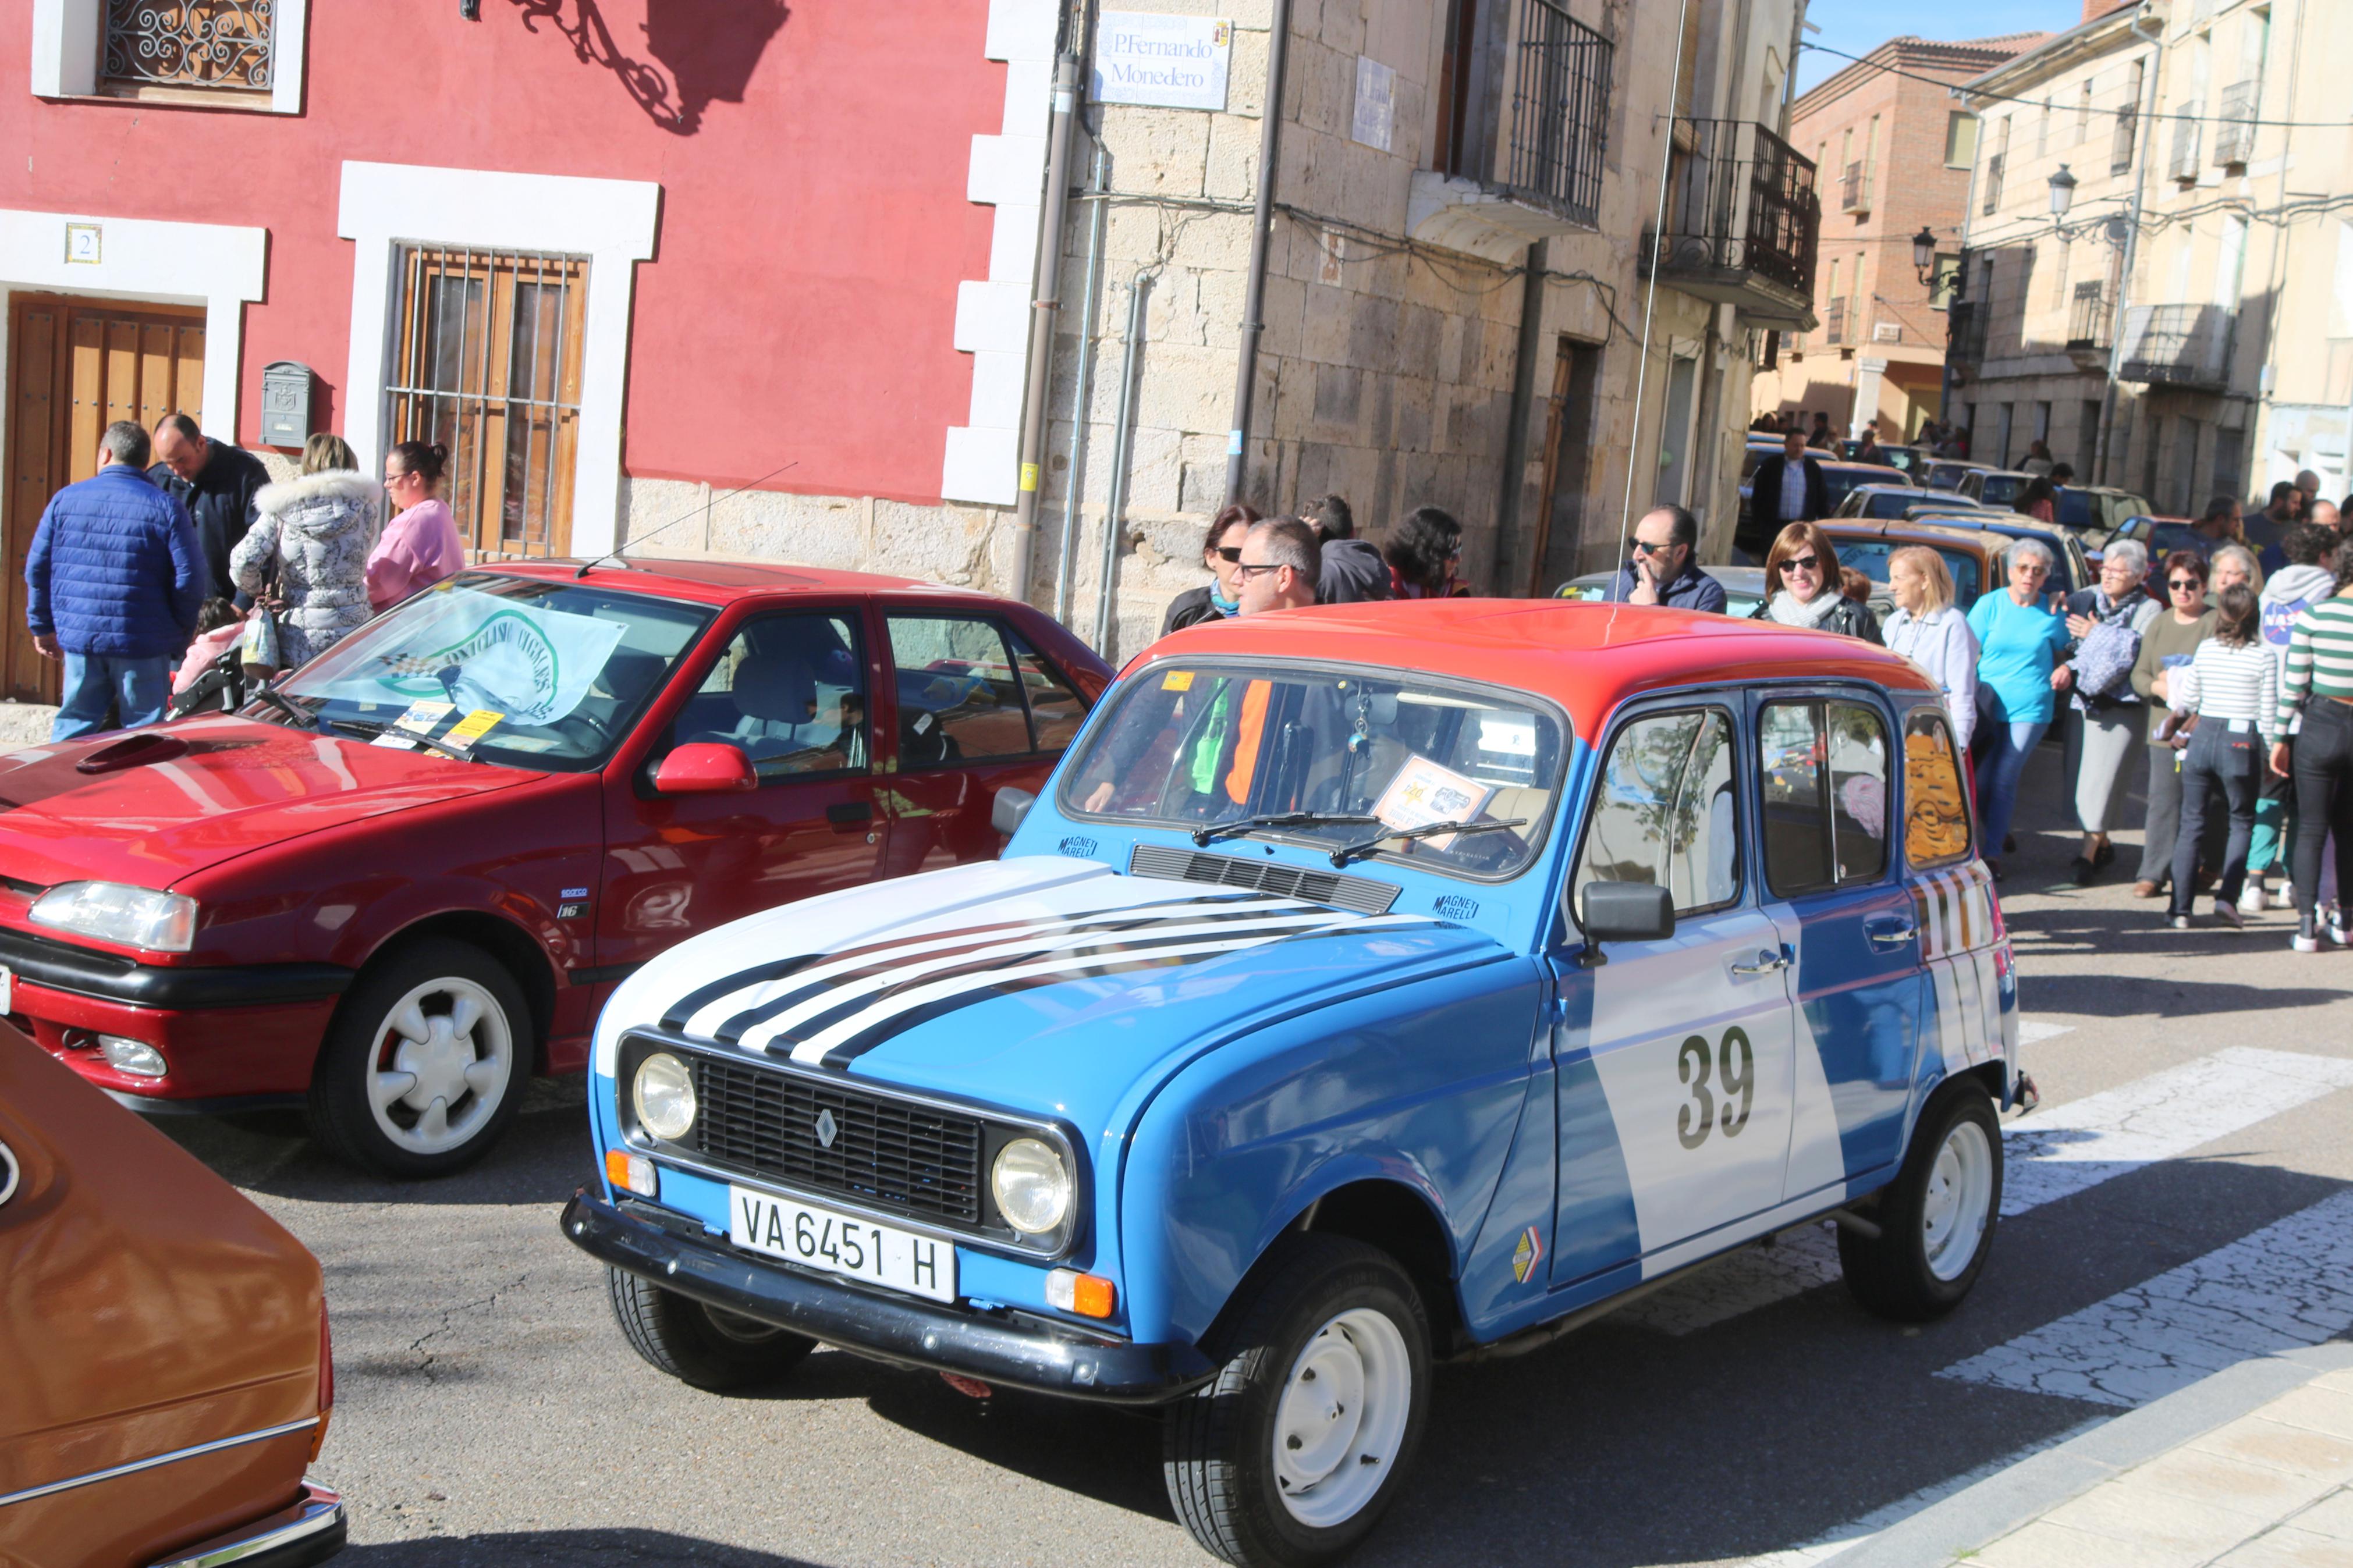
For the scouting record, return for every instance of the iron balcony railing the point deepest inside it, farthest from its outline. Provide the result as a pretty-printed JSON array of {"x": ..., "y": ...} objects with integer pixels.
[
  {"x": 1560, "y": 112},
  {"x": 2175, "y": 345},
  {"x": 2183, "y": 165},
  {"x": 2234, "y": 126},
  {"x": 1965, "y": 325},
  {"x": 1834, "y": 322},
  {"x": 2087, "y": 319},
  {"x": 1992, "y": 187},
  {"x": 1854, "y": 190},
  {"x": 1739, "y": 199},
  {"x": 2120, "y": 153}
]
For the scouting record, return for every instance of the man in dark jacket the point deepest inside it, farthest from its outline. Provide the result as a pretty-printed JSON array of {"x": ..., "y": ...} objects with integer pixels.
[
  {"x": 217, "y": 482},
  {"x": 1787, "y": 487},
  {"x": 1663, "y": 570},
  {"x": 112, "y": 584},
  {"x": 1353, "y": 571}
]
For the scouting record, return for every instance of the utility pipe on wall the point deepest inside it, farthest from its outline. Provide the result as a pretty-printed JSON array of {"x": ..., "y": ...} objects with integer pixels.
[
  {"x": 1139, "y": 289},
  {"x": 1079, "y": 392},
  {"x": 1041, "y": 319},
  {"x": 1278, "y": 48}
]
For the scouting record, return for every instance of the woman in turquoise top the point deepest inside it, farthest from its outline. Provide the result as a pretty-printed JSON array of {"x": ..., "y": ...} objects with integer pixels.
[{"x": 2021, "y": 641}]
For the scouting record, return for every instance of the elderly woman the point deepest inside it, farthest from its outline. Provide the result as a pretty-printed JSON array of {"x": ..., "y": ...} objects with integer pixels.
[
  {"x": 2104, "y": 626},
  {"x": 1221, "y": 554},
  {"x": 2021, "y": 638},
  {"x": 2167, "y": 645},
  {"x": 2232, "y": 566},
  {"x": 1802, "y": 587},
  {"x": 1929, "y": 631}
]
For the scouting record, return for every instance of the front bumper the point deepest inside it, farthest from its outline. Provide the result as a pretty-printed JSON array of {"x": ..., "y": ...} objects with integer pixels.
[
  {"x": 310, "y": 1531},
  {"x": 1014, "y": 1351}
]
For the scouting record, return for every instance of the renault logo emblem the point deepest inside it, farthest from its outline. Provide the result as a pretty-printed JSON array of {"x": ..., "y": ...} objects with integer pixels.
[{"x": 825, "y": 1128}]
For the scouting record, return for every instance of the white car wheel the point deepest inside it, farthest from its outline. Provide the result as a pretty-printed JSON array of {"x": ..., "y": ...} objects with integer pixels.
[
  {"x": 445, "y": 1062},
  {"x": 1341, "y": 1416},
  {"x": 1959, "y": 1193}
]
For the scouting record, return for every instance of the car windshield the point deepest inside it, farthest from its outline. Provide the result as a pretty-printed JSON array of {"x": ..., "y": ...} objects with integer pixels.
[
  {"x": 2001, "y": 489},
  {"x": 519, "y": 670},
  {"x": 1841, "y": 482},
  {"x": 1198, "y": 746},
  {"x": 1868, "y": 556}
]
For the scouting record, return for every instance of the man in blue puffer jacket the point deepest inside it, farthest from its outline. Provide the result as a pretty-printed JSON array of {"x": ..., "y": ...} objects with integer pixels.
[{"x": 114, "y": 583}]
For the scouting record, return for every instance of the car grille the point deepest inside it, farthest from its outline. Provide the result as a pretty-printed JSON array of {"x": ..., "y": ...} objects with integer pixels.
[{"x": 912, "y": 1158}]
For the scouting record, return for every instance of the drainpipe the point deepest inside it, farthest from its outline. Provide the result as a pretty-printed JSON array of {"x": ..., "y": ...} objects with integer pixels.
[
  {"x": 1079, "y": 392},
  {"x": 1516, "y": 434},
  {"x": 1115, "y": 505},
  {"x": 1042, "y": 317},
  {"x": 2132, "y": 239},
  {"x": 1270, "y": 133}
]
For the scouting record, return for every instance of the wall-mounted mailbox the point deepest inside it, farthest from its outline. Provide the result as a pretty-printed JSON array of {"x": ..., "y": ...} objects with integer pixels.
[{"x": 285, "y": 404}]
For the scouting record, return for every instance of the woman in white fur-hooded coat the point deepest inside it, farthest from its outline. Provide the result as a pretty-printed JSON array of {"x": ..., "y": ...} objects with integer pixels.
[{"x": 318, "y": 527}]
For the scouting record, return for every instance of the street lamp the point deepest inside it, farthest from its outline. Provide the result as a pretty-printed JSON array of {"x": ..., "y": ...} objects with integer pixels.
[
  {"x": 1923, "y": 254},
  {"x": 2063, "y": 192}
]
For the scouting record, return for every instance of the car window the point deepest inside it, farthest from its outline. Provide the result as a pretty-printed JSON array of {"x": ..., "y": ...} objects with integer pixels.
[
  {"x": 525, "y": 671},
  {"x": 790, "y": 692},
  {"x": 1664, "y": 813},
  {"x": 1935, "y": 811},
  {"x": 959, "y": 698},
  {"x": 1824, "y": 767},
  {"x": 1056, "y": 709},
  {"x": 1869, "y": 557}
]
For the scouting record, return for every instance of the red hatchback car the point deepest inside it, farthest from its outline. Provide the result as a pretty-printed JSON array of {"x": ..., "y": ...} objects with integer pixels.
[{"x": 412, "y": 872}]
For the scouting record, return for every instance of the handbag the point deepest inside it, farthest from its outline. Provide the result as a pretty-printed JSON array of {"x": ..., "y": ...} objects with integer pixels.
[
  {"x": 258, "y": 645},
  {"x": 2104, "y": 662}
]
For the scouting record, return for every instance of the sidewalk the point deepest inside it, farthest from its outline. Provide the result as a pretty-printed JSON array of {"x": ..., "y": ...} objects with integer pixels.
[{"x": 2251, "y": 1468}]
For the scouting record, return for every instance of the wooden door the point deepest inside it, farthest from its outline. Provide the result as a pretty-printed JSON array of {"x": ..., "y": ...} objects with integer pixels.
[{"x": 75, "y": 367}]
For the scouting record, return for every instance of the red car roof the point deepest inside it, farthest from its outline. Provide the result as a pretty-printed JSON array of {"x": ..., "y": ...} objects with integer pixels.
[
  {"x": 1588, "y": 658},
  {"x": 724, "y": 582}
]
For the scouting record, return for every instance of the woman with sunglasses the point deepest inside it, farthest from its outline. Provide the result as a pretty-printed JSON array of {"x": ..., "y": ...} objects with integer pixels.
[
  {"x": 2021, "y": 637},
  {"x": 1222, "y": 552},
  {"x": 2168, "y": 644},
  {"x": 1802, "y": 587}
]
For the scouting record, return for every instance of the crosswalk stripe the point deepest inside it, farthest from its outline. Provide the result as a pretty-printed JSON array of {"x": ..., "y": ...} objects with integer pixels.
[
  {"x": 2056, "y": 1153},
  {"x": 2287, "y": 1285}
]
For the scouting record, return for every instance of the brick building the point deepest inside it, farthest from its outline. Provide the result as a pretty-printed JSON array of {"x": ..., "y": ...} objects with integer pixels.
[{"x": 1895, "y": 150}]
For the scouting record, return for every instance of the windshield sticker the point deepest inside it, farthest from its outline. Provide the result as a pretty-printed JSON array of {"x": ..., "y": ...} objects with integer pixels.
[
  {"x": 532, "y": 666},
  {"x": 1176, "y": 680},
  {"x": 1423, "y": 793},
  {"x": 1508, "y": 737},
  {"x": 394, "y": 741},
  {"x": 471, "y": 728},
  {"x": 424, "y": 716}
]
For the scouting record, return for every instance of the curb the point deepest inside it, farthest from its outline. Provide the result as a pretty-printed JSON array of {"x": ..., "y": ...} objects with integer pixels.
[{"x": 1978, "y": 1515}]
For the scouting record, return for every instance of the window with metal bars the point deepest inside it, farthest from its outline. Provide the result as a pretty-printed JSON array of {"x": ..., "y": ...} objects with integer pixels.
[
  {"x": 487, "y": 361},
  {"x": 202, "y": 44}
]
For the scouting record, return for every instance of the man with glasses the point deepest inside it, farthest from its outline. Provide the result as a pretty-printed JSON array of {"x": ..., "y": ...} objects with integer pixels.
[
  {"x": 1663, "y": 568},
  {"x": 1281, "y": 561}
]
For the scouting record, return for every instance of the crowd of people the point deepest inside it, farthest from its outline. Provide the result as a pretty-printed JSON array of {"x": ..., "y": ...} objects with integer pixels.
[
  {"x": 180, "y": 552},
  {"x": 2228, "y": 682}
]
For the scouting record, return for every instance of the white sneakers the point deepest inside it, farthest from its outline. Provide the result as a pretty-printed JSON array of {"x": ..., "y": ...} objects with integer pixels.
[{"x": 2254, "y": 901}]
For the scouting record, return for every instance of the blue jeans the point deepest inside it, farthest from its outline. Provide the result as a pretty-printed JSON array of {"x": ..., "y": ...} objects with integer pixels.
[
  {"x": 2003, "y": 751},
  {"x": 137, "y": 688},
  {"x": 2222, "y": 761}
]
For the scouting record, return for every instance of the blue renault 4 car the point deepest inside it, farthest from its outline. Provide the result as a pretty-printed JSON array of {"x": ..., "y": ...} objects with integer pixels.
[{"x": 1370, "y": 985}]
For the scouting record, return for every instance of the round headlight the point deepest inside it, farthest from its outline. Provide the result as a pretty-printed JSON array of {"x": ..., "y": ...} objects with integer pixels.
[
  {"x": 664, "y": 1093},
  {"x": 1033, "y": 1189}
]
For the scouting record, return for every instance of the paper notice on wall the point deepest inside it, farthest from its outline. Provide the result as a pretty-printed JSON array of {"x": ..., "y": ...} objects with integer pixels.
[
  {"x": 1168, "y": 62},
  {"x": 1376, "y": 116}
]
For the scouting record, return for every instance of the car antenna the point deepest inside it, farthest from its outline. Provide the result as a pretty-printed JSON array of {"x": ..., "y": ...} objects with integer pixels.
[{"x": 703, "y": 507}]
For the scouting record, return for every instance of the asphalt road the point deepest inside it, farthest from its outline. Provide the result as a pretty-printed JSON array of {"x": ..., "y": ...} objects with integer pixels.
[{"x": 489, "y": 1411}]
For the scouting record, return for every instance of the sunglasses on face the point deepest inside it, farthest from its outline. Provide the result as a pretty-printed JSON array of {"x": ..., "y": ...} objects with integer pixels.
[
  {"x": 1642, "y": 547},
  {"x": 1228, "y": 553},
  {"x": 1247, "y": 568},
  {"x": 2184, "y": 584},
  {"x": 1802, "y": 563}
]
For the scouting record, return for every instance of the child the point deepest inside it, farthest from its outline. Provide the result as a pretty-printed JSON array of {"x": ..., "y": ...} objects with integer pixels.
[{"x": 219, "y": 626}]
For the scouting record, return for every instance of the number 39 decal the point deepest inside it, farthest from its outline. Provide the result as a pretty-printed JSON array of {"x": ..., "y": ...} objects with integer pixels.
[{"x": 1695, "y": 1121}]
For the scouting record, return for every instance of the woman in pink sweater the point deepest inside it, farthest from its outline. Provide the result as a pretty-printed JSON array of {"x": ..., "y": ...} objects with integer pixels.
[{"x": 419, "y": 547}]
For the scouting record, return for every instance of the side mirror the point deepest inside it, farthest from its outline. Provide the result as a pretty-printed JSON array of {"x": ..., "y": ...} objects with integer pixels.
[
  {"x": 1011, "y": 805},
  {"x": 1624, "y": 911},
  {"x": 705, "y": 767}
]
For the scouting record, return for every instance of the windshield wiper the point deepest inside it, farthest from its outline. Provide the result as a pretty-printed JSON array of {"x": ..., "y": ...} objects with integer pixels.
[
  {"x": 287, "y": 705},
  {"x": 1348, "y": 852},
  {"x": 372, "y": 730},
  {"x": 1204, "y": 837}
]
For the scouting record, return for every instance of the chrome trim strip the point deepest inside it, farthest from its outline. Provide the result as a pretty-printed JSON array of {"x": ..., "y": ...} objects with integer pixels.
[
  {"x": 8, "y": 1185},
  {"x": 135, "y": 1465},
  {"x": 320, "y": 1512}
]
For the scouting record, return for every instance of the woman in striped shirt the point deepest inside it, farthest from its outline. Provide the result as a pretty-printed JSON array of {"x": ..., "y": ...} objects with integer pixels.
[
  {"x": 2232, "y": 685},
  {"x": 2318, "y": 683}
]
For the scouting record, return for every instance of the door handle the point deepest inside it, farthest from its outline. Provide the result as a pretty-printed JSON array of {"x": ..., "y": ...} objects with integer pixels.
[
  {"x": 1766, "y": 962},
  {"x": 1889, "y": 930},
  {"x": 845, "y": 811}
]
